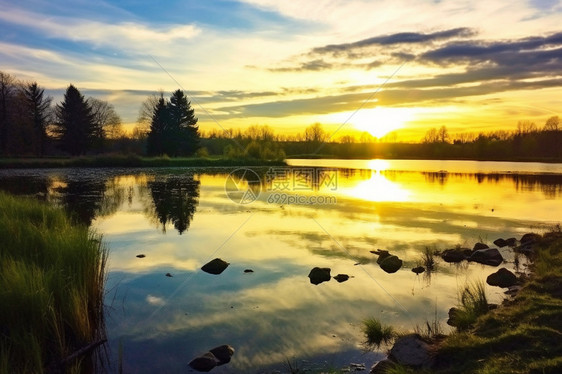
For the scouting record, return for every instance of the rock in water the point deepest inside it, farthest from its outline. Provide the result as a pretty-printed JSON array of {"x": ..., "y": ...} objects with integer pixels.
[
  {"x": 223, "y": 354},
  {"x": 478, "y": 246},
  {"x": 530, "y": 238},
  {"x": 391, "y": 264},
  {"x": 206, "y": 362},
  {"x": 141, "y": 256},
  {"x": 341, "y": 277},
  {"x": 382, "y": 255},
  {"x": 455, "y": 254},
  {"x": 502, "y": 278},
  {"x": 411, "y": 350},
  {"x": 490, "y": 256},
  {"x": 318, "y": 275},
  {"x": 248, "y": 271},
  {"x": 418, "y": 269},
  {"x": 500, "y": 242},
  {"x": 215, "y": 266}
]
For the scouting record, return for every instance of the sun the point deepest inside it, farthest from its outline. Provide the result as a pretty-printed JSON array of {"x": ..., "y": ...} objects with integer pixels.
[{"x": 380, "y": 121}]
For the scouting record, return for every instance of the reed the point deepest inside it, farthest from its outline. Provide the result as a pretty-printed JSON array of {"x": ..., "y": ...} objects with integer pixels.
[
  {"x": 52, "y": 275},
  {"x": 377, "y": 334}
]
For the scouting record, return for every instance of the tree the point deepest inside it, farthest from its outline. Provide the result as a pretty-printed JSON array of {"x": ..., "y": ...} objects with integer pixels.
[
  {"x": 183, "y": 125},
  {"x": 443, "y": 134},
  {"x": 107, "y": 122},
  {"x": 526, "y": 127},
  {"x": 431, "y": 136},
  {"x": 156, "y": 137},
  {"x": 7, "y": 89},
  {"x": 74, "y": 127},
  {"x": 38, "y": 108},
  {"x": 552, "y": 124}
]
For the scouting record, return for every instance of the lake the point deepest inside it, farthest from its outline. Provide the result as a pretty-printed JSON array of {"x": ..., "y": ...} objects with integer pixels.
[{"x": 162, "y": 310}]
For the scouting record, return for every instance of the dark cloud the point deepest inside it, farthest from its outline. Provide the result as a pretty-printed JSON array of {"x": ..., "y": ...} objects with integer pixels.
[{"x": 398, "y": 38}]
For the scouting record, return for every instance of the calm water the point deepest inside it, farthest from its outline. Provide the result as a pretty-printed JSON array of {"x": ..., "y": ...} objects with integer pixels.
[{"x": 281, "y": 223}]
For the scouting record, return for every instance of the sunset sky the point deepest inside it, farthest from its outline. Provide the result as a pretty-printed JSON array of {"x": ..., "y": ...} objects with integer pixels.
[{"x": 349, "y": 64}]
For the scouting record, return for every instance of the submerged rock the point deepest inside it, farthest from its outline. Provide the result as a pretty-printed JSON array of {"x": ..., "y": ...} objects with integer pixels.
[
  {"x": 411, "y": 350},
  {"x": 169, "y": 275},
  {"x": 215, "y": 266},
  {"x": 478, "y": 246},
  {"x": 418, "y": 269},
  {"x": 391, "y": 264},
  {"x": 456, "y": 254},
  {"x": 502, "y": 278},
  {"x": 318, "y": 275},
  {"x": 341, "y": 277},
  {"x": 490, "y": 256}
]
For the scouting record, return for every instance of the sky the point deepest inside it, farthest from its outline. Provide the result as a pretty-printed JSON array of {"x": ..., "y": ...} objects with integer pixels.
[{"x": 394, "y": 68}]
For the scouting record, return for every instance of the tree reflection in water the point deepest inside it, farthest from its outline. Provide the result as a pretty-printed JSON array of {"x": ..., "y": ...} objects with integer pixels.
[{"x": 175, "y": 199}]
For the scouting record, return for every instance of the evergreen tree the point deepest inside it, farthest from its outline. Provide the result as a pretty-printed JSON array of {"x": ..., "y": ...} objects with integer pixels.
[
  {"x": 74, "y": 127},
  {"x": 38, "y": 111},
  {"x": 7, "y": 89},
  {"x": 183, "y": 125},
  {"x": 158, "y": 127}
]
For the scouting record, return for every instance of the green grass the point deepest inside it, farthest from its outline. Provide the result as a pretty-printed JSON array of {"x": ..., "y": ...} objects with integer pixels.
[
  {"x": 521, "y": 336},
  {"x": 473, "y": 304},
  {"x": 119, "y": 160},
  {"x": 377, "y": 334},
  {"x": 51, "y": 288}
]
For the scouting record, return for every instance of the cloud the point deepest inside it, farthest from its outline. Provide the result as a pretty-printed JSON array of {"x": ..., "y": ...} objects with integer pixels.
[{"x": 396, "y": 39}]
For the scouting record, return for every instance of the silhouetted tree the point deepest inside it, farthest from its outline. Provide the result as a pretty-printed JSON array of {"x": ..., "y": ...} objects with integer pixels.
[
  {"x": 156, "y": 140},
  {"x": 107, "y": 123},
  {"x": 38, "y": 110},
  {"x": 183, "y": 125},
  {"x": 552, "y": 124},
  {"x": 75, "y": 127},
  {"x": 7, "y": 91}
]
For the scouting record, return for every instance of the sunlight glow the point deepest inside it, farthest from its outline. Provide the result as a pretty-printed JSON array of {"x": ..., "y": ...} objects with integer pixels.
[
  {"x": 380, "y": 121},
  {"x": 379, "y": 189}
]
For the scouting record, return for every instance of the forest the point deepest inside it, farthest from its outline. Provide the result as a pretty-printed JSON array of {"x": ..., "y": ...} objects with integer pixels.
[{"x": 31, "y": 125}]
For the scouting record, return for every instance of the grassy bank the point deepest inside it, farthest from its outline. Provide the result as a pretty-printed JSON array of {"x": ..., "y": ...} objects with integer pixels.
[
  {"x": 51, "y": 289},
  {"x": 116, "y": 160}
]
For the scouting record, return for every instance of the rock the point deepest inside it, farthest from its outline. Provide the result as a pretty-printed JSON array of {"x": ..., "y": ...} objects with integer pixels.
[
  {"x": 205, "y": 362},
  {"x": 169, "y": 275},
  {"x": 381, "y": 367},
  {"x": 502, "y": 278},
  {"x": 490, "y": 256},
  {"x": 341, "y": 277},
  {"x": 391, "y": 264},
  {"x": 418, "y": 269},
  {"x": 527, "y": 249},
  {"x": 141, "y": 256},
  {"x": 223, "y": 354},
  {"x": 248, "y": 271},
  {"x": 318, "y": 275},
  {"x": 452, "y": 321},
  {"x": 455, "y": 254},
  {"x": 511, "y": 242},
  {"x": 382, "y": 255},
  {"x": 478, "y": 246},
  {"x": 215, "y": 266},
  {"x": 530, "y": 238},
  {"x": 500, "y": 243},
  {"x": 411, "y": 350}
]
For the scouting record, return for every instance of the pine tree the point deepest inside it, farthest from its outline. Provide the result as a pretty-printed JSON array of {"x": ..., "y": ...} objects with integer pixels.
[
  {"x": 183, "y": 125},
  {"x": 38, "y": 107},
  {"x": 75, "y": 128},
  {"x": 158, "y": 126}
]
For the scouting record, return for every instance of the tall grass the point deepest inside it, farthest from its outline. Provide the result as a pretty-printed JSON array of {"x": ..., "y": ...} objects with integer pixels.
[
  {"x": 377, "y": 334},
  {"x": 473, "y": 304},
  {"x": 51, "y": 289}
]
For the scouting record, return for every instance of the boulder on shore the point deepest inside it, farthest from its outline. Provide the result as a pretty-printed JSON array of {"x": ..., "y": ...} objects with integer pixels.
[
  {"x": 318, "y": 275},
  {"x": 530, "y": 238},
  {"x": 391, "y": 264},
  {"x": 411, "y": 350},
  {"x": 215, "y": 266},
  {"x": 502, "y": 278},
  {"x": 500, "y": 242},
  {"x": 490, "y": 256}
]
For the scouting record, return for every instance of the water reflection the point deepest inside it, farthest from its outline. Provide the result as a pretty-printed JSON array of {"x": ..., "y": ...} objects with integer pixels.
[{"x": 175, "y": 200}]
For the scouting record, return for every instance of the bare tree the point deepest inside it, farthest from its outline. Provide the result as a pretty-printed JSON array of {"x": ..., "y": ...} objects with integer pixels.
[
  {"x": 525, "y": 127},
  {"x": 106, "y": 119},
  {"x": 146, "y": 111},
  {"x": 431, "y": 136},
  {"x": 552, "y": 124},
  {"x": 315, "y": 134}
]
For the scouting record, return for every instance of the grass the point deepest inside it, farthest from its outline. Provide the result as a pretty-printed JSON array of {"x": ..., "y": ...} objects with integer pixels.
[
  {"x": 119, "y": 160},
  {"x": 523, "y": 335},
  {"x": 428, "y": 259},
  {"x": 473, "y": 304},
  {"x": 377, "y": 334},
  {"x": 51, "y": 289}
]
